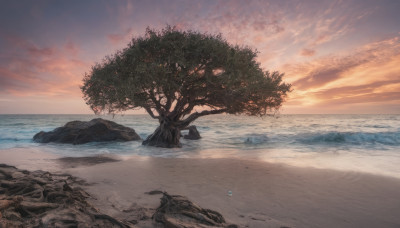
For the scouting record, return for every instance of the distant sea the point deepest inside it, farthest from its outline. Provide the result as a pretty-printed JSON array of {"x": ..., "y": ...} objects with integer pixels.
[{"x": 362, "y": 143}]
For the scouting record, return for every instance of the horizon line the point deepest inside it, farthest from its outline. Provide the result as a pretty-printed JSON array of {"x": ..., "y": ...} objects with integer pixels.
[{"x": 144, "y": 114}]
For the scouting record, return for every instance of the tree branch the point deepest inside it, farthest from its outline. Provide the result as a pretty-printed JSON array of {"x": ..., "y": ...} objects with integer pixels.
[
  {"x": 168, "y": 103},
  {"x": 194, "y": 116},
  {"x": 183, "y": 99},
  {"x": 187, "y": 110},
  {"x": 180, "y": 104},
  {"x": 152, "y": 96},
  {"x": 148, "y": 110}
]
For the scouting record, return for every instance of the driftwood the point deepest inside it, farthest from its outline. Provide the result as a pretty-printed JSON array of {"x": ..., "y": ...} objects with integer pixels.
[
  {"x": 41, "y": 199},
  {"x": 177, "y": 211}
]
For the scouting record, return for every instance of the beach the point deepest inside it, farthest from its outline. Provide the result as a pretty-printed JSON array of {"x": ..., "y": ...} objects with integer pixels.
[
  {"x": 198, "y": 114},
  {"x": 263, "y": 194}
]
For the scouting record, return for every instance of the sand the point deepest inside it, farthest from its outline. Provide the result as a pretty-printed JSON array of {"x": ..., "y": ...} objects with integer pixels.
[{"x": 263, "y": 194}]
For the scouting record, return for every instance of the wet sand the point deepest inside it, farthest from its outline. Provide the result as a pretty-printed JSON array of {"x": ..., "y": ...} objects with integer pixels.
[{"x": 263, "y": 194}]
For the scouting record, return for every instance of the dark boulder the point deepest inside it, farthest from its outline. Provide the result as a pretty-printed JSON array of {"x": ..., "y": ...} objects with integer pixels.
[
  {"x": 193, "y": 133},
  {"x": 79, "y": 132}
]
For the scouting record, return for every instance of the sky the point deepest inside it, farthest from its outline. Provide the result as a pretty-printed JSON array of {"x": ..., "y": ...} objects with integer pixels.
[{"x": 341, "y": 56}]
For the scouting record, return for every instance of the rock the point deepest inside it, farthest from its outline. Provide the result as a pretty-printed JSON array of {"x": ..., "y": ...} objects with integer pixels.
[
  {"x": 177, "y": 211},
  {"x": 79, "y": 132},
  {"x": 193, "y": 133}
]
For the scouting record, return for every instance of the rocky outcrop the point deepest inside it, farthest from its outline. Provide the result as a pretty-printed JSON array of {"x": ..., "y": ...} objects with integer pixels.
[
  {"x": 79, "y": 132},
  {"x": 177, "y": 211},
  {"x": 193, "y": 133},
  {"x": 41, "y": 199}
]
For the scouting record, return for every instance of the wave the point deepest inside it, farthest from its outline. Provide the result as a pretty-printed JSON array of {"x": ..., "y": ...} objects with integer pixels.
[
  {"x": 385, "y": 138},
  {"x": 256, "y": 139},
  {"x": 15, "y": 124},
  {"x": 9, "y": 139},
  {"x": 376, "y": 126}
]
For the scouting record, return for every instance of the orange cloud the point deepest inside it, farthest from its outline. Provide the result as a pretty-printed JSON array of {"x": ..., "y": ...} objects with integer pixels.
[
  {"x": 332, "y": 68},
  {"x": 366, "y": 75}
]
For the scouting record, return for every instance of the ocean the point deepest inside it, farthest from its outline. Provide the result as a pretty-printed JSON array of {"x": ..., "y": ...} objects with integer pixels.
[{"x": 359, "y": 143}]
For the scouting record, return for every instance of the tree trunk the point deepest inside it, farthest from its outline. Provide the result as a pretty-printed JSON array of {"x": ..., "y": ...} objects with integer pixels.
[{"x": 167, "y": 135}]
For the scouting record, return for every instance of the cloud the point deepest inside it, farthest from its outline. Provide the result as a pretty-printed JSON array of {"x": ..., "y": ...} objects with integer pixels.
[
  {"x": 362, "y": 93},
  {"x": 239, "y": 23},
  {"x": 71, "y": 48},
  {"x": 29, "y": 47},
  {"x": 327, "y": 29},
  {"x": 47, "y": 71},
  {"x": 115, "y": 38},
  {"x": 270, "y": 24},
  {"x": 39, "y": 52},
  {"x": 366, "y": 98},
  {"x": 124, "y": 36},
  {"x": 120, "y": 37},
  {"x": 50, "y": 52},
  {"x": 327, "y": 70},
  {"x": 307, "y": 52},
  {"x": 319, "y": 26},
  {"x": 331, "y": 68},
  {"x": 365, "y": 75}
]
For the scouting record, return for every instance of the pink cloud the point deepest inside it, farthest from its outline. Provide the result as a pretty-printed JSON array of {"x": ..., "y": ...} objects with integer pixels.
[
  {"x": 71, "y": 48},
  {"x": 119, "y": 38},
  {"x": 115, "y": 38},
  {"x": 46, "y": 71},
  {"x": 39, "y": 52},
  {"x": 307, "y": 52},
  {"x": 29, "y": 47}
]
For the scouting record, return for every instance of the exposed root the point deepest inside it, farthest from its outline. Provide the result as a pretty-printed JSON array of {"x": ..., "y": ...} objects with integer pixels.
[
  {"x": 178, "y": 211},
  {"x": 41, "y": 199}
]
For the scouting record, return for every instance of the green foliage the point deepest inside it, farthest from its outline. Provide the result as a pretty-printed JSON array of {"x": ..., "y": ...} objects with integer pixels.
[{"x": 170, "y": 72}]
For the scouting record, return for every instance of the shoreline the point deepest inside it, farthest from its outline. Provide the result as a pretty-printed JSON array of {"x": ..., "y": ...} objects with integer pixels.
[{"x": 263, "y": 194}]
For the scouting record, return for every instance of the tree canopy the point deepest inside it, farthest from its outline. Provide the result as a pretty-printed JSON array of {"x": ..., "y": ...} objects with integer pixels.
[{"x": 170, "y": 73}]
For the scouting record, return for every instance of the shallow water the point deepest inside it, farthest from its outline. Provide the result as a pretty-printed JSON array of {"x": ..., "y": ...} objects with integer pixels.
[{"x": 367, "y": 143}]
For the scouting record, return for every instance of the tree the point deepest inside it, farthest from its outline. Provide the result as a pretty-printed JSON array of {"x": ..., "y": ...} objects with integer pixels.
[{"x": 170, "y": 72}]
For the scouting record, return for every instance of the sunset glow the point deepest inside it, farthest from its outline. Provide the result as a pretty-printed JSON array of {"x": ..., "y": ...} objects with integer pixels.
[{"x": 340, "y": 56}]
